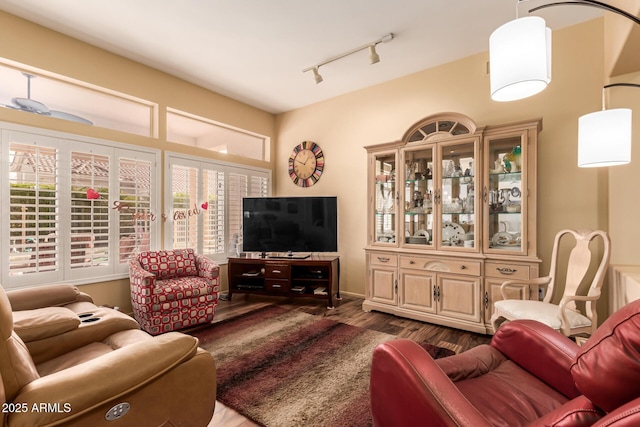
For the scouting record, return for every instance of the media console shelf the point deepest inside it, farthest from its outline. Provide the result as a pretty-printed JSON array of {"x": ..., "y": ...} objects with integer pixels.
[{"x": 312, "y": 277}]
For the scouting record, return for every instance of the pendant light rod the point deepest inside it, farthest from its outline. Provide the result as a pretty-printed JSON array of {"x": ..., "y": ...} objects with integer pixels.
[
  {"x": 621, "y": 84},
  {"x": 605, "y": 87},
  {"x": 592, "y": 3}
]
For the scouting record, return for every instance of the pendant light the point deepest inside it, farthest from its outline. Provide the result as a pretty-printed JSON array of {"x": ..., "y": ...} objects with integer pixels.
[
  {"x": 520, "y": 52},
  {"x": 520, "y": 59},
  {"x": 604, "y": 137}
]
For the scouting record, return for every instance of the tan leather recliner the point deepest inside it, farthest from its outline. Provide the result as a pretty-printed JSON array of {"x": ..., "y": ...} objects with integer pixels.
[{"x": 103, "y": 372}]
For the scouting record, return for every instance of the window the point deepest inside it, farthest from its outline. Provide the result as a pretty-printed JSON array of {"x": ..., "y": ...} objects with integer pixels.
[
  {"x": 195, "y": 131},
  {"x": 206, "y": 203},
  {"x": 65, "y": 196}
]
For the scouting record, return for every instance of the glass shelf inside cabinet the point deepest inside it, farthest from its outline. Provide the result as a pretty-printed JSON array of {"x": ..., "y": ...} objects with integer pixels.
[
  {"x": 505, "y": 194},
  {"x": 458, "y": 216},
  {"x": 418, "y": 197},
  {"x": 385, "y": 200}
]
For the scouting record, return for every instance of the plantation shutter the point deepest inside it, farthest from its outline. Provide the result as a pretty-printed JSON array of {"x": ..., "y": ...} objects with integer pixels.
[
  {"x": 213, "y": 233},
  {"x": 89, "y": 228},
  {"x": 33, "y": 209},
  {"x": 243, "y": 186},
  {"x": 134, "y": 207},
  {"x": 184, "y": 191},
  {"x": 238, "y": 188}
]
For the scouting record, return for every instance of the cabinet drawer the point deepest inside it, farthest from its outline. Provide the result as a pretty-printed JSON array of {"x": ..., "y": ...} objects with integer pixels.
[
  {"x": 458, "y": 266},
  {"x": 390, "y": 260},
  {"x": 507, "y": 271},
  {"x": 276, "y": 271},
  {"x": 276, "y": 286}
]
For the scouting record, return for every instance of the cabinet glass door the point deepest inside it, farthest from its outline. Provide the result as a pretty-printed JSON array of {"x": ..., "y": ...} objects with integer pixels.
[
  {"x": 457, "y": 196},
  {"x": 504, "y": 194},
  {"x": 418, "y": 197},
  {"x": 385, "y": 199}
]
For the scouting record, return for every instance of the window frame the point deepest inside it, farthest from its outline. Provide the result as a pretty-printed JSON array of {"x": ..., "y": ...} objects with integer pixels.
[
  {"x": 184, "y": 160},
  {"x": 65, "y": 144}
]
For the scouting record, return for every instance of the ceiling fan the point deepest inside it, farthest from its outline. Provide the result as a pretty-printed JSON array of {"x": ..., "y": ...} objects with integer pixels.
[{"x": 32, "y": 106}]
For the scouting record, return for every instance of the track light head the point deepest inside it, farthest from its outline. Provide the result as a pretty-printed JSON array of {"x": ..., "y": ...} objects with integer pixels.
[
  {"x": 374, "y": 58},
  {"x": 316, "y": 75}
]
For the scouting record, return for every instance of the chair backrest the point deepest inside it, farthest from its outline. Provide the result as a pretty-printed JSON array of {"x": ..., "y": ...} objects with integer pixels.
[
  {"x": 169, "y": 264},
  {"x": 16, "y": 365},
  {"x": 579, "y": 262}
]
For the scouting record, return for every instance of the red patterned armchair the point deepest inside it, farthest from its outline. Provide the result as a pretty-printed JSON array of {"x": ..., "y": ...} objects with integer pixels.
[{"x": 173, "y": 289}]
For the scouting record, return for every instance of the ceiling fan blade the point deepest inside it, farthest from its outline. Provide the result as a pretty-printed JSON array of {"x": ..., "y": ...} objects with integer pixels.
[
  {"x": 33, "y": 106},
  {"x": 68, "y": 116}
]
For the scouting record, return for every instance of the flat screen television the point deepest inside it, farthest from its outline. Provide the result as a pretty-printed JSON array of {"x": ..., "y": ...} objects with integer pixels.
[{"x": 295, "y": 225}]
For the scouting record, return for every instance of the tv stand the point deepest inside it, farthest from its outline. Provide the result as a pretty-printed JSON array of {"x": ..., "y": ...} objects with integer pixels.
[{"x": 310, "y": 277}]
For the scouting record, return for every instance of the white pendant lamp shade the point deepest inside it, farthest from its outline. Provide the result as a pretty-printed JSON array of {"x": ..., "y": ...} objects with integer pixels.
[
  {"x": 520, "y": 59},
  {"x": 604, "y": 138}
]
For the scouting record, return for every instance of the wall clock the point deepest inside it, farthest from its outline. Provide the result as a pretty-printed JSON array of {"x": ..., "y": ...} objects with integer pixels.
[{"x": 306, "y": 164}]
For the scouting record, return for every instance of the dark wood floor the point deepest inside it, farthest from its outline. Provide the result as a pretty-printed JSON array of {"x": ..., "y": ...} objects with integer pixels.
[{"x": 348, "y": 310}]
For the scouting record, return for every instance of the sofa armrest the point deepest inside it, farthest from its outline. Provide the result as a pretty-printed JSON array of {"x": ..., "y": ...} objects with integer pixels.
[
  {"x": 45, "y": 296},
  {"x": 400, "y": 395},
  {"x": 86, "y": 386},
  {"x": 206, "y": 267},
  {"x": 540, "y": 350}
]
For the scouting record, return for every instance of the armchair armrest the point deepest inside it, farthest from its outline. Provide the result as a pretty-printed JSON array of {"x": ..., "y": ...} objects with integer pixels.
[
  {"x": 84, "y": 387},
  {"x": 139, "y": 276},
  {"x": 540, "y": 281},
  {"x": 401, "y": 396},
  {"x": 541, "y": 351},
  {"x": 207, "y": 268},
  {"x": 45, "y": 296}
]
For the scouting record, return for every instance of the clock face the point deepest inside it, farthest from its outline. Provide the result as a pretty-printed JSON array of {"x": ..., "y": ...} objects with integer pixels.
[{"x": 306, "y": 164}]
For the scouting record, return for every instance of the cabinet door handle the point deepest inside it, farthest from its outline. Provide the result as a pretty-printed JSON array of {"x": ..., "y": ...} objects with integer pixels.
[
  {"x": 276, "y": 271},
  {"x": 506, "y": 271},
  {"x": 276, "y": 286},
  {"x": 485, "y": 194},
  {"x": 486, "y": 300},
  {"x": 463, "y": 267},
  {"x": 412, "y": 262},
  {"x": 384, "y": 259}
]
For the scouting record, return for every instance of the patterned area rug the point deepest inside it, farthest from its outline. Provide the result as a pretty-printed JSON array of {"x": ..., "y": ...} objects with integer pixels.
[{"x": 288, "y": 368}]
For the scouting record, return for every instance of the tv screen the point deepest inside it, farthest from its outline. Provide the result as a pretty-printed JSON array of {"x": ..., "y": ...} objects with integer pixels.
[{"x": 289, "y": 224}]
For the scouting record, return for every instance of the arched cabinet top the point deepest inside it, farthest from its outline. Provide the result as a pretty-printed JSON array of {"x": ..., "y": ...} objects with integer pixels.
[{"x": 437, "y": 126}]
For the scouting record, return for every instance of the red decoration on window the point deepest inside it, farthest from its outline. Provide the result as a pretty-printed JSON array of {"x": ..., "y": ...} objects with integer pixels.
[
  {"x": 205, "y": 205},
  {"x": 92, "y": 194}
]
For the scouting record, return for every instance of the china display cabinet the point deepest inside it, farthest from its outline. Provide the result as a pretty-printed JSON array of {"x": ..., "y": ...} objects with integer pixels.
[{"x": 451, "y": 216}]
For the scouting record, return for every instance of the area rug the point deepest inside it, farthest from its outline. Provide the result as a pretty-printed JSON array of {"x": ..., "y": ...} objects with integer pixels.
[{"x": 288, "y": 368}]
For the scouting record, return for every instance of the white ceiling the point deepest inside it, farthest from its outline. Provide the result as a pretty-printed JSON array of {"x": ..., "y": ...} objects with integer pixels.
[{"x": 255, "y": 50}]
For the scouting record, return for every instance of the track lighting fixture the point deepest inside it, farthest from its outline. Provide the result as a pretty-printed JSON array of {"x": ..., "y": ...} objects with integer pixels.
[
  {"x": 316, "y": 75},
  {"x": 373, "y": 56},
  {"x": 604, "y": 137}
]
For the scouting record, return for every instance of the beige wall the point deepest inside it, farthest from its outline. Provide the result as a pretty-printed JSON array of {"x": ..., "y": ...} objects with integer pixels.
[{"x": 568, "y": 196}]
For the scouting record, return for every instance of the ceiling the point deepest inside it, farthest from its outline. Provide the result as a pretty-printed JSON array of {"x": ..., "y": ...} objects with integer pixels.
[{"x": 255, "y": 50}]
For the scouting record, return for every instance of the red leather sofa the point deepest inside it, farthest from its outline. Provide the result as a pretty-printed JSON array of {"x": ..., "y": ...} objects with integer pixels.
[{"x": 529, "y": 375}]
